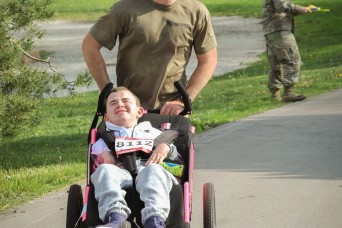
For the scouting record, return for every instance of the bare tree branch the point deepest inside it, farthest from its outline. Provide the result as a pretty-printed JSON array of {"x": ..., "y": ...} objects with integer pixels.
[{"x": 52, "y": 67}]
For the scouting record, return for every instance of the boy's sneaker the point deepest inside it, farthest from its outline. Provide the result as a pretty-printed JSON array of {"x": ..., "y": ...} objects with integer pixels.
[
  {"x": 114, "y": 220},
  {"x": 155, "y": 222},
  {"x": 125, "y": 224}
]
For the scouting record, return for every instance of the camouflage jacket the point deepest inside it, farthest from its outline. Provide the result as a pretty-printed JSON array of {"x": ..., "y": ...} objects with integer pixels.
[{"x": 278, "y": 15}]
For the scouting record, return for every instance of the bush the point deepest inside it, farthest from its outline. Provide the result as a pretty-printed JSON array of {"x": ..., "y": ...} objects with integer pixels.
[
  {"x": 18, "y": 113},
  {"x": 22, "y": 88}
]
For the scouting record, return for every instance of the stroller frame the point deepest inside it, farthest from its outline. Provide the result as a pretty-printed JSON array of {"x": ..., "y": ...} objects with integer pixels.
[{"x": 83, "y": 211}]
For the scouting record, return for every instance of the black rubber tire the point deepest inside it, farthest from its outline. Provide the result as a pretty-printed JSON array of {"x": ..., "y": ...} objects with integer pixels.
[
  {"x": 74, "y": 207},
  {"x": 209, "y": 210}
]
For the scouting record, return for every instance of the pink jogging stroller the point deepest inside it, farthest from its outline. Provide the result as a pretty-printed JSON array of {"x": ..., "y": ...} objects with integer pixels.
[{"x": 82, "y": 207}]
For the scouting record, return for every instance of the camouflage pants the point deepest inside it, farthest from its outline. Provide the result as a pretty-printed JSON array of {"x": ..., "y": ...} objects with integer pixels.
[{"x": 284, "y": 59}]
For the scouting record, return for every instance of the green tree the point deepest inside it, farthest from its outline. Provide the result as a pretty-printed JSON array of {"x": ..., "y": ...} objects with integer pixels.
[{"x": 22, "y": 87}]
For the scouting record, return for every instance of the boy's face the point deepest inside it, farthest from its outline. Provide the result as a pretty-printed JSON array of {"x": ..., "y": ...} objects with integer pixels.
[{"x": 122, "y": 109}]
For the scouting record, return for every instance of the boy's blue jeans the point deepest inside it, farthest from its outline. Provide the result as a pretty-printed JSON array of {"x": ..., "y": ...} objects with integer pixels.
[{"x": 153, "y": 183}]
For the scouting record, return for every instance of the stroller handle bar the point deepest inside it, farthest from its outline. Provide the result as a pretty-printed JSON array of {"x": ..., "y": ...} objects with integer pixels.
[{"x": 184, "y": 96}]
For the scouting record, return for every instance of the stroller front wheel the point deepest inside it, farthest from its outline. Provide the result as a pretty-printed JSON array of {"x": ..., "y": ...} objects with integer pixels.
[
  {"x": 209, "y": 211},
  {"x": 74, "y": 207}
]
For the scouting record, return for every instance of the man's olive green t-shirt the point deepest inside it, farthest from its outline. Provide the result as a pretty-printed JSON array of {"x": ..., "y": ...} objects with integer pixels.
[{"x": 155, "y": 44}]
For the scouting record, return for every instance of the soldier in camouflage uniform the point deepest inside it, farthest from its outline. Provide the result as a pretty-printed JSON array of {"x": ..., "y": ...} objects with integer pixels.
[{"x": 282, "y": 50}]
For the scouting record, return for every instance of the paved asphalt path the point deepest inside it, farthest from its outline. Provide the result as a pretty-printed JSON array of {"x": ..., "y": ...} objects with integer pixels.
[{"x": 281, "y": 168}]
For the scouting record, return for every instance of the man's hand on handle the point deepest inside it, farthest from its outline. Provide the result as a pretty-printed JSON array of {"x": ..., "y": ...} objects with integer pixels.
[{"x": 172, "y": 107}]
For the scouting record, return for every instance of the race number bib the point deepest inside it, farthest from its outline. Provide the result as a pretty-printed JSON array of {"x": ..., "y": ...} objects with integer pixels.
[{"x": 127, "y": 145}]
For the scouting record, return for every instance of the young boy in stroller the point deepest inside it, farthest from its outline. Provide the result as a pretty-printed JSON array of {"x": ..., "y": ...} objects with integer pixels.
[
  {"x": 165, "y": 200},
  {"x": 152, "y": 181}
]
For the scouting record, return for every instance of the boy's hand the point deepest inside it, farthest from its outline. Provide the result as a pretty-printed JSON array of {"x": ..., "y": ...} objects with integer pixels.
[
  {"x": 159, "y": 154},
  {"x": 108, "y": 157}
]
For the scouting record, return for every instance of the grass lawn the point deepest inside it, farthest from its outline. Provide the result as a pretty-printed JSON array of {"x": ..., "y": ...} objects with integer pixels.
[{"x": 53, "y": 155}]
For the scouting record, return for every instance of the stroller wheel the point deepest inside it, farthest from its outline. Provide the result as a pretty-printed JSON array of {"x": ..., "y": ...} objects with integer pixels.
[
  {"x": 209, "y": 211},
  {"x": 74, "y": 207}
]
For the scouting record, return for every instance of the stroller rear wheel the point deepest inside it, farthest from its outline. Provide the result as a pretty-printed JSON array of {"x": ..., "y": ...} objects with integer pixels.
[
  {"x": 209, "y": 211},
  {"x": 74, "y": 207}
]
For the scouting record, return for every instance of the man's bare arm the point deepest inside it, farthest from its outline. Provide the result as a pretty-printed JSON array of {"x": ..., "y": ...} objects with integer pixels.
[
  {"x": 94, "y": 60},
  {"x": 202, "y": 74},
  {"x": 200, "y": 77}
]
